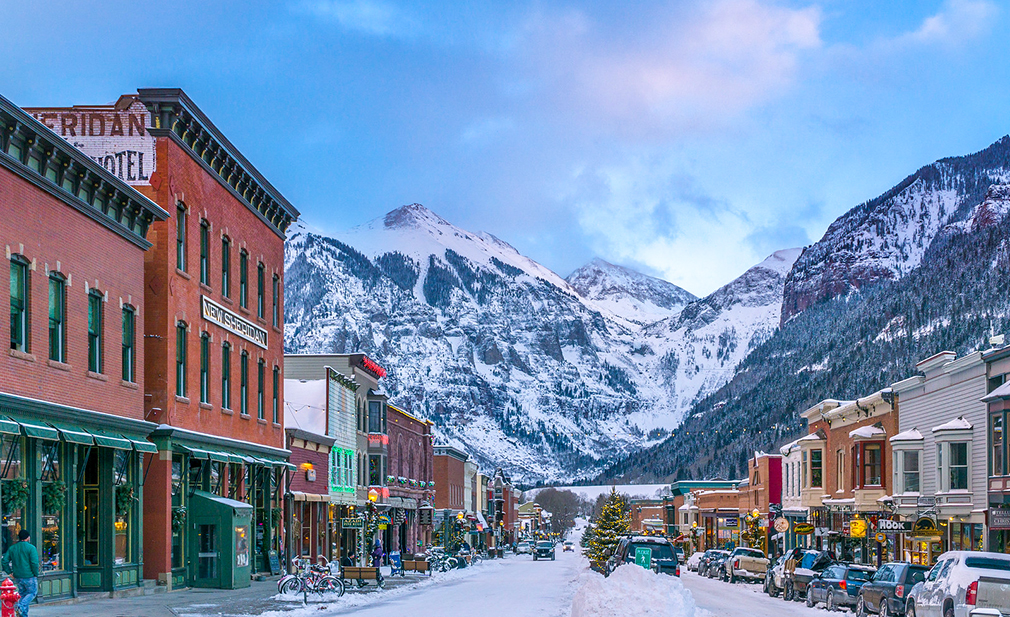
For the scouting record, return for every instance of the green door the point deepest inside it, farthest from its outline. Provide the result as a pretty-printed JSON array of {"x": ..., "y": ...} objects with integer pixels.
[{"x": 206, "y": 552}]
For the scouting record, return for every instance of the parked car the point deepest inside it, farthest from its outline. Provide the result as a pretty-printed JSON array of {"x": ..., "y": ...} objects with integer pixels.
[
  {"x": 680, "y": 553},
  {"x": 717, "y": 569},
  {"x": 960, "y": 582},
  {"x": 694, "y": 560},
  {"x": 838, "y": 585},
  {"x": 663, "y": 560},
  {"x": 710, "y": 555},
  {"x": 568, "y": 547},
  {"x": 885, "y": 594},
  {"x": 523, "y": 548},
  {"x": 749, "y": 564},
  {"x": 810, "y": 564},
  {"x": 775, "y": 579},
  {"x": 544, "y": 549}
]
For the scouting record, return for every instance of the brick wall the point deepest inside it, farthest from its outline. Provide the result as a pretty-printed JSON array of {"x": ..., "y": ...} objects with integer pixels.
[
  {"x": 307, "y": 454},
  {"x": 448, "y": 482},
  {"x": 410, "y": 452},
  {"x": 54, "y": 236},
  {"x": 175, "y": 296}
]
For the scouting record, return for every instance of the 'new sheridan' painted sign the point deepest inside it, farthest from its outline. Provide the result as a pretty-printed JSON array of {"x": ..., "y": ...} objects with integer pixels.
[{"x": 212, "y": 311}]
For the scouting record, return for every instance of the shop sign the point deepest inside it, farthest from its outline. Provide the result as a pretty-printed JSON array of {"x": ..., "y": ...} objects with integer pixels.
[
  {"x": 383, "y": 526},
  {"x": 999, "y": 518},
  {"x": 881, "y": 538},
  {"x": 384, "y": 519},
  {"x": 857, "y": 528},
  {"x": 352, "y": 523},
  {"x": 424, "y": 516},
  {"x": 925, "y": 527},
  {"x": 730, "y": 522},
  {"x": 781, "y": 524},
  {"x": 214, "y": 312},
  {"x": 889, "y": 526},
  {"x": 803, "y": 529}
]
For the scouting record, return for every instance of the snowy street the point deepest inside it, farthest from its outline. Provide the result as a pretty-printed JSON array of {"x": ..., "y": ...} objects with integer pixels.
[{"x": 741, "y": 600}]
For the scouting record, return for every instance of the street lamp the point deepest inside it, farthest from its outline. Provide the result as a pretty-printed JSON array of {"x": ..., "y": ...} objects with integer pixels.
[{"x": 373, "y": 495}]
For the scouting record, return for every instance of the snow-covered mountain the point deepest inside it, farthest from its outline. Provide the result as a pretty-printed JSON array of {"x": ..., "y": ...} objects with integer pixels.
[
  {"x": 886, "y": 237},
  {"x": 628, "y": 293},
  {"x": 548, "y": 379}
]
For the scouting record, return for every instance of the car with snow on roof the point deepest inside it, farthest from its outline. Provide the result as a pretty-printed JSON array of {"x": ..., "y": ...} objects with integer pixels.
[
  {"x": 661, "y": 556},
  {"x": 963, "y": 584}
]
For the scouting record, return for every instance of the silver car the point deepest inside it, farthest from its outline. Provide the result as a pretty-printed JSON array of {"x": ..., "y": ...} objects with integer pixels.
[{"x": 962, "y": 582}]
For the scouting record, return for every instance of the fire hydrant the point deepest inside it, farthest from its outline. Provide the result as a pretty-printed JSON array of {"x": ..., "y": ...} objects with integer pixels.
[{"x": 8, "y": 598}]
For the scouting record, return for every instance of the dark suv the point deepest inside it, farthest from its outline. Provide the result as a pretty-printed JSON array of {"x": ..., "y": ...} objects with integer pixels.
[
  {"x": 544, "y": 549},
  {"x": 886, "y": 593},
  {"x": 838, "y": 585},
  {"x": 662, "y": 558},
  {"x": 810, "y": 564}
]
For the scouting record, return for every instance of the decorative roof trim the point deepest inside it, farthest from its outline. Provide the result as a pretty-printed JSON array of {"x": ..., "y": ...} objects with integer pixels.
[{"x": 175, "y": 115}]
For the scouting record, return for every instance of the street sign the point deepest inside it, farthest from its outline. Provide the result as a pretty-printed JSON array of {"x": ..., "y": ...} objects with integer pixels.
[
  {"x": 887, "y": 525},
  {"x": 352, "y": 523},
  {"x": 803, "y": 529},
  {"x": 781, "y": 524},
  {"x": 881, "y": 538},
  {"x": 643, "y": 557}
]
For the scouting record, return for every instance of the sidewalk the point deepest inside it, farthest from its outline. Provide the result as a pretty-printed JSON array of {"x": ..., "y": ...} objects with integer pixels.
[{"x": 258, "y": 598}]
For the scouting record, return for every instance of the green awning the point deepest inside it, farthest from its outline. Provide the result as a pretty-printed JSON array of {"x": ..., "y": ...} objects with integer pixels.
[
  {"x": 39, "y": 431},
  {"x": 192, "y": 452},
  {"x": 235, "y": 458},
  {"x": 74, "y": 435},
  {"x": 9, "y": 427},
  {"x": 141, "y": 445},
  {"x": 107, "y": 440},
  {"x": 220, "y": 457}
]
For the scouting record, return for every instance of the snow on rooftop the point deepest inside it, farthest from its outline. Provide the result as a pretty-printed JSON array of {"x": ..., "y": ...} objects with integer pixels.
[
  {"x": 810, "y": 437},
  {"x": 957, "y": 424},
  {"x": 998, "y": 393},
  {"x": 867, "y": 432},
  {"x": 909, "y": 435},
  {"x": 789, "y": 446}
]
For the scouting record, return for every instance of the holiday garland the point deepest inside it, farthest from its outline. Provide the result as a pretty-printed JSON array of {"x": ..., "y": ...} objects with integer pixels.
[
  {"x": 54, "y": 497},
  {"x": 15, "y": 495},
  {"x": 124, "y": 499},
  {"x": 178, "y": 519}
]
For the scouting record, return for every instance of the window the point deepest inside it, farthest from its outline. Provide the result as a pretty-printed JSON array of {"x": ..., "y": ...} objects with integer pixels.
[
  {"x": 871, "y": 464},
  {"x": 243, "y": 279},
  {"x": 226, "y": 376},
  {"x": 803, "y": 467},
  {"x": 205, "y": 368},
  {"x": 205, "y": 252},
  {"x": 243, "y": 403},
  {"x": 816, "y": 469},
  {"x": 95, "y": 359},
  {"x": 180, "y": 239},
  {"x": 260, "y": 370},
  {"x": 57, "y": 318},
  {"x": 277, "y": 393},
  {"x": 19, "y": 304},
  {"x": 996, "y": 439},
  {"x": 226, "y": 267},
  {"x": 910, "y": 471},
  {"x": 180, "y": 359},
  {"x": 277, "y": 300},
  {"x": 129, "y": 341},
  {"x": 260, "y": 272},
  {"x": 840, "y": 470},
  {"x": 958, "y": 466},
  {"x": 376, "y": 417}
]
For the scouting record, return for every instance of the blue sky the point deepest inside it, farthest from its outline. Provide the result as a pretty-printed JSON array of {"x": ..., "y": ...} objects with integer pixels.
[{"x": 686, "y": 139}]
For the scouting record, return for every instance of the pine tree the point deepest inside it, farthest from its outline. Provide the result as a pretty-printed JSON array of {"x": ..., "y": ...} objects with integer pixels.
[
  {"x": 610, "y": 526},
  {"x": 587, "y": 536}
]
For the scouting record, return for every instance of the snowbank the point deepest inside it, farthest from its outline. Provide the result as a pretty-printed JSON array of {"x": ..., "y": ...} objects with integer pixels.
[{"x": 632, "y": 589}]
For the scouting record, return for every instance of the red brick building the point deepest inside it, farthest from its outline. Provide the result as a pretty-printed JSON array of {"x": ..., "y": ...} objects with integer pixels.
[
  {"x": 411, "y": 464},
  {"x": 449, "y": 469},
  {"x": 309, "y": 487},
  {"x": 72, "y": 429},
  {"x": 213, "y": 318}
]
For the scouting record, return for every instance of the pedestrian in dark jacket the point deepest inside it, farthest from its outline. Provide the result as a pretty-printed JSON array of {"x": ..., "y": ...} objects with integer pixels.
[
  {"x": 22, "y": 560},
  {"x": 377, "y": 554}
]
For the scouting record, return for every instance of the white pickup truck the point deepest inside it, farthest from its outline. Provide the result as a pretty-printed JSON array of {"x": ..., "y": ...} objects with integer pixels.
[{"x": 749, "y": 564}]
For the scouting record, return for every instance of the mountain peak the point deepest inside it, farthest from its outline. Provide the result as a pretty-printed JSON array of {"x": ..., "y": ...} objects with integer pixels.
[
  {"x": 413, "y": 216},
  {"x": 631, "y": 294}
]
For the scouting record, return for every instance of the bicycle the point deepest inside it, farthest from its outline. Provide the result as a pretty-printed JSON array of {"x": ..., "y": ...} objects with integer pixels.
[{"x": 309, "y": 578}]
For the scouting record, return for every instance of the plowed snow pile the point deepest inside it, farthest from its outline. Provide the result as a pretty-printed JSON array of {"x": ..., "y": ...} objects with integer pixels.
[{"x": 633, "y": 590}]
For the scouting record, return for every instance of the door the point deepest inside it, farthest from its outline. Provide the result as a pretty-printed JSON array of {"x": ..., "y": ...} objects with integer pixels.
[
  {"x": 205, "y": 561},
  {"x": 93, "y": 522}
]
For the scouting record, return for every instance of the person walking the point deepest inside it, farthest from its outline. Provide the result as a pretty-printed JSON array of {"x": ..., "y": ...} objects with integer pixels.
[{"x": 22, "y": 560}]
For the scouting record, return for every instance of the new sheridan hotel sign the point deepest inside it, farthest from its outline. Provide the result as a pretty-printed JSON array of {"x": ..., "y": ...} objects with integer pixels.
[{"x": 212, "y": 311}]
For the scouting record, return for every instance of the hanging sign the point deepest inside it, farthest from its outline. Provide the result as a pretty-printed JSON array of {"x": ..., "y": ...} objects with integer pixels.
[
  {"x": 424, "y": 516},
  {"x": 999, "y": 518},
  {"x": 887, "y": 525},
  {"x": 352, "y": 523},
  {"x": 857, "y": 528},
  {"x": 881, "y": 538},
  {"x": 925, "y": 527},
  {"x": 781, "y": 524},
  {"x": 803, "y": 529}
]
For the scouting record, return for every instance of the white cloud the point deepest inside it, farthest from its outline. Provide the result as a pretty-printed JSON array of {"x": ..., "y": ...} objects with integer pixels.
[
  {"x": 368, "y": 16},
  {"x": 680, "y": 68},
  {"x": 957, "y": 21}
]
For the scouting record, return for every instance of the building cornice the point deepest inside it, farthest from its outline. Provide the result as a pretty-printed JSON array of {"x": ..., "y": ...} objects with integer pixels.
[{"x": 174, "y": 115}]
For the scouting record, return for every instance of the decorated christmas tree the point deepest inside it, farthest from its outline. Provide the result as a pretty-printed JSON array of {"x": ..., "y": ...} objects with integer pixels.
[
  {"x": 610, "y": 526},
  {"x": 587, "y": 536}
]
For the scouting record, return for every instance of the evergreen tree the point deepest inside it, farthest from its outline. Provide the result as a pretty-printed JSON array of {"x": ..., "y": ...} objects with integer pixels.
[
  {"x": 587, "y": 536},
  {"x": 610, "y": 526}
]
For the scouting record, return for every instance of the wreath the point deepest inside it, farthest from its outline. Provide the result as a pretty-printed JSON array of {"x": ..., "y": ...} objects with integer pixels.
[
  {"x": 124, "y": 499},
  {"x": 15, "y": 495},
  {"x": 54, "y": 497},
  {"x": 178, "y": 519},
  {"x": 275, "y": 517}
]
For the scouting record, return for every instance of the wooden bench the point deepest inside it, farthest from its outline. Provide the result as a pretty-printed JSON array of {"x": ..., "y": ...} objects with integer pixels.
[
  {"x": 360, "y": 575},
  {"x": 421, "y": 567}
]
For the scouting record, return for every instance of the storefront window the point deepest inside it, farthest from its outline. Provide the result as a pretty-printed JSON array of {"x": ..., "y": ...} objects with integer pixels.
[
  {"x": 215, "y": 477},
  {"x": 997, "y": 444},
  {"x": 14, "y": 489},
  {"x": 123, "y": 471},
  {"x": 90, "y": 509},
  {"x": 54, "y": 500},
  {"x": 178, "y": 516},
  {"x": 305, "y": 537},
  {"x": 375, "y": 470}
]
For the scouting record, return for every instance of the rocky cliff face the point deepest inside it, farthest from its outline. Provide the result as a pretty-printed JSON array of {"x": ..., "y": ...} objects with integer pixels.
[
  {"x": 885, "y": 238},
  {"x": 547, "y": 378}
]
